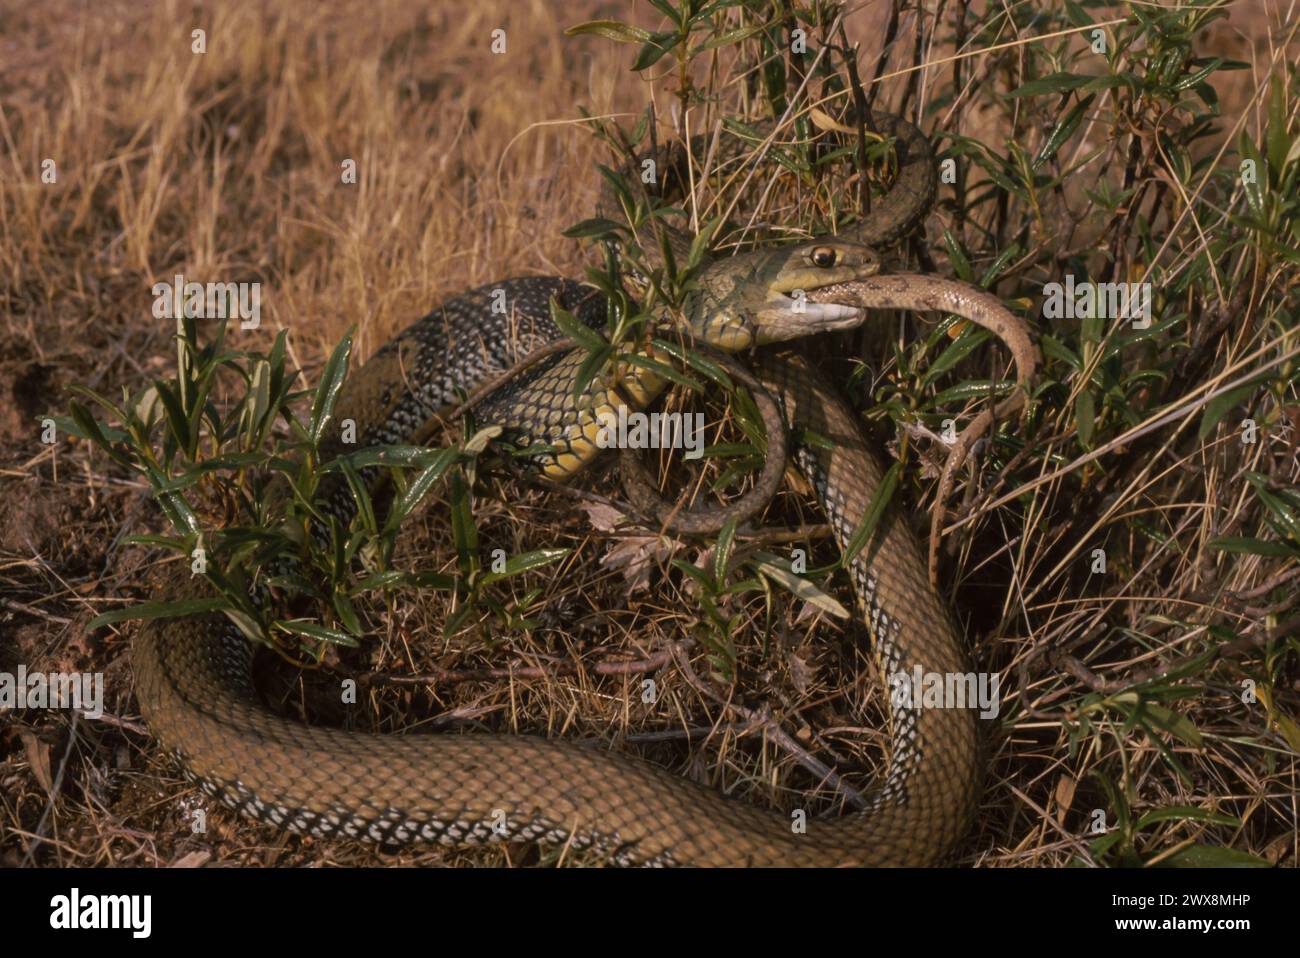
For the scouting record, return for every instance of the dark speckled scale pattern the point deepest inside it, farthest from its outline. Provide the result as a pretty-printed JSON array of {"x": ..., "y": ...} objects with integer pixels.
[{"x": 192, "y": 675}]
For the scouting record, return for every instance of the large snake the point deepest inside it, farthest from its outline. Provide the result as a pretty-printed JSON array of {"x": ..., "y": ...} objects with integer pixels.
[{"x": 193, "y": 674}]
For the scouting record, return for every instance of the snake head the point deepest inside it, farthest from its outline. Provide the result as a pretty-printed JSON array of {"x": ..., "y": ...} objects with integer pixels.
[{"x": 763, "y": 297}]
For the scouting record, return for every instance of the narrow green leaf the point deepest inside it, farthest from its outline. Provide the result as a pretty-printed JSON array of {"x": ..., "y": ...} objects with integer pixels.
[
  {"x": 1185, "y": 813},
  {"x": 331, "y": 384},
  {"x": 1085, "y": 418},
  {"x": 1248, "y": 546},
  {"x": 588, "y": 371},
  {"x": 248, "y": 625},
  {"x": 960, "y": 348},
  {"x": 663, "y": 371},
  {"x": 361, "y": 495},
  {"x": 1276, "y": 504},
  {"x": 387, "y": 579},
  {"x": 610, "y": 30},
  {"x": 592, "y": 228},
  {"x": 699, "y": 575},
  {"x": 1062, "y": 132},
  {"x": 347, "y": 613},
  {"x": 108, "y": 405},
  {"x": 464, "y": 531},
  {"x": 1219, "y": 406},
  {"x": 434, "y": 580},
  {"x": 654, "y": 49},
  {"x": 1200, "y": 75},
  {"x": 1056, "y": 83},
  {"x": 619, "y": 185},
  {"x": 774, "y": 567},
  {"x": 722, "y": 551},
  {"x": 879, "y": 502},
  {"x": 258, "y": 409},
  {"x": 732, "y": 36},
  {"x": 158, "y": 610},
  {"x": 166, "y": 542},
  {"x": 960, "y": 262},
  {"x": 970, "y": 390},
  {"x": 89, "y": 428},
  {"x": 1214, "y": 856},
  {"x": 697, "y": 362},
  {"x": 314, "y": 630},
  {"x": 1175, "y": 723},
  {"x": 522, "y": 563},
  {"x": 700, "y": 244},
  {"x": 457, "y": 620},
  {"x": 575, "y": 330}
]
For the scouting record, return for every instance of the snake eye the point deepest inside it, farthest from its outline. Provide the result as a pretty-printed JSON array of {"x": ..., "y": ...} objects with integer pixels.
[{"x": 824, "y": 256}]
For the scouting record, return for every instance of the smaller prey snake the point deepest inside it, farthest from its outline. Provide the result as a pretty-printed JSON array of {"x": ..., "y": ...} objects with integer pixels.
[{"x": 193, "y": 675}]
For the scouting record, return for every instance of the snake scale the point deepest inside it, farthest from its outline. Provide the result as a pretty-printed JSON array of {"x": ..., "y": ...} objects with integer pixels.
[{"x": 193, "y": 674}]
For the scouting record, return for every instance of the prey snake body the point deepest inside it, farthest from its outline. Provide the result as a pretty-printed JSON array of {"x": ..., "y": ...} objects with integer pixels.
[{"x": 193, "y": 674}]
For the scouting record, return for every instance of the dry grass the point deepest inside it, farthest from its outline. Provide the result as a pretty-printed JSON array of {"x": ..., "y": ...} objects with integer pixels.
[{"x": 227, "y": 165}]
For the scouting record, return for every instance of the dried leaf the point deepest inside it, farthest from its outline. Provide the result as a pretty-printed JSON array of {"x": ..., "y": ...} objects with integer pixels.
[
  {"x": 801, "y": 673},
  {"x": 38, "y": 757},
  {"x": 192, "y": 860},
  {"x": 1065, "y": 786},
  {"x": 637, "y": 556},
  {"x": 824, "y": 121},
  {"x": 603, "y": 518}
]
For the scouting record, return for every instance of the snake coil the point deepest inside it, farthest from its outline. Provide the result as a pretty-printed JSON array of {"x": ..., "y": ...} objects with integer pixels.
[{"x": 193, "y": 674}]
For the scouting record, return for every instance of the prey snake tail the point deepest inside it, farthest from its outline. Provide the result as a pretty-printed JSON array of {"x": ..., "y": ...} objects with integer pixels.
[{"x": 193, "y": 674}]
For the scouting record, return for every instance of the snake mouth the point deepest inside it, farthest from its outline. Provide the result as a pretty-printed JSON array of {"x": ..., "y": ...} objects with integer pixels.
[
  {"x": 832, "y": 315},
  {"x": 784, "y": 317}
]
